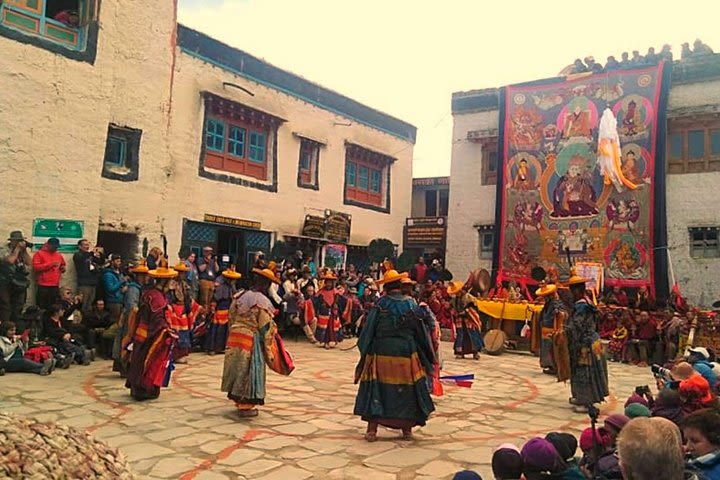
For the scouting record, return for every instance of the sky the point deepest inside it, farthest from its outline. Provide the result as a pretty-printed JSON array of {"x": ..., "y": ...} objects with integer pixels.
[{"x": 407, "y": 57}]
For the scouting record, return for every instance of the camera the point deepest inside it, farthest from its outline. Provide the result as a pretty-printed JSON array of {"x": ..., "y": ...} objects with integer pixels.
[
  {"x": 643, "y": 390},
  {"x": 661, "y": 372}
]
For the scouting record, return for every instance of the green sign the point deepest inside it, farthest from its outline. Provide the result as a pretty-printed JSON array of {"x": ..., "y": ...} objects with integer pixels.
[{"x": 67, "y": 231}]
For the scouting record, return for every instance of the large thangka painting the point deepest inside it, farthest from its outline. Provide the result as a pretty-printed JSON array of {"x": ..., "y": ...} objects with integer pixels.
[{"x": 554, "y": 197}]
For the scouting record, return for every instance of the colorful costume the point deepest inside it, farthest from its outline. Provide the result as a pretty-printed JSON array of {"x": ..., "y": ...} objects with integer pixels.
[
  {"x": 151, "y": 346},
  {"x": 467, "y": 323},
  {"x": 396, "y": 358},
  {"x": 432, "y": 327},
  {"x": 217, "y": 333},
  {"x": 333, "y": 311},
  {"x": 588, "y": 366},
  {"x": 552, "y": 319}
]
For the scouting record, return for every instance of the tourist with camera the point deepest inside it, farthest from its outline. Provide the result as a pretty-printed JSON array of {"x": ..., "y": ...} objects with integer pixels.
[
  {"x": 14, "y": 263},
  {"x": 208, "y": 270},
  {"x": 88, "y": 266}
]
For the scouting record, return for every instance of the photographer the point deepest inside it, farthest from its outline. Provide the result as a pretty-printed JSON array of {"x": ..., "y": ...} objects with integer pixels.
[
  {"x": 88, "y": 265},
  {"x": 208, "y": 269},
  {"x": 14, "y": 262}
]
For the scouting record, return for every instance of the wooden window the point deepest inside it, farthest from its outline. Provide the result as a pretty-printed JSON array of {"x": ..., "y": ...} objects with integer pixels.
[
  {"x": 122, "y": 151},
  {"x": 431, "y": 203},
  {"x": 62, "y": 22},
  {"x": 489, "y": 161},
  {"x": 308, "y": 163},
  {"x": 704, "y": 242},
  {"x": 350, "y": 173},
  {"x": 693, "y": 144},
  {"x": 375, "y": 181},
  {"x": 487, "y": 241},
  {"x": 235, "y": 147},
  {"x": 367, "y": 177}
]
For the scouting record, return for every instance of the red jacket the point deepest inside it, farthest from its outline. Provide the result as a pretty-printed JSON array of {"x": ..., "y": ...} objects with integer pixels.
[{"x": 47, "y": 275}]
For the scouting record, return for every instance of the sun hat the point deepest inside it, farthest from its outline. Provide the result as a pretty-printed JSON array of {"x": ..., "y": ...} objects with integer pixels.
[
  {"x": 231, "y": 274},
  {"x": 16, "y": 236},
  {"x": 140, "y": 268},
  {"x": 181, "y": 267},
  {"x": 267, "y": 273},
  {"x": 328, "y": 275},
  {"x": 455, "y": 287},
  {"x": 392, "y": 276},
  {"x": 546, "y": 289},
  {"x": 163, "y": 271}
]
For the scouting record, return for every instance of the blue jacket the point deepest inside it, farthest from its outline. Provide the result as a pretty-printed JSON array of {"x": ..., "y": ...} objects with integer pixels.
[
  {"x": 706, "y": 370},
  {"x": 707, "y": 465},
  {"x": 113, "y": 283}
]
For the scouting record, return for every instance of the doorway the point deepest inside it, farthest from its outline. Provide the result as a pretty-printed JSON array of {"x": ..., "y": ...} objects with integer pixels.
[
  {"x": 119, "y": 243},
  {"x": 230, "y": 249}
]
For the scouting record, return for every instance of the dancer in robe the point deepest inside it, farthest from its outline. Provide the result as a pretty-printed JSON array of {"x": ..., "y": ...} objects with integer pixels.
[
  {"x": 552, "y": 319},
  {"x": 396, "y": 360},
  {"x": 466, "y": 318},
  {"x": 588, "y": 365},
  {"x": 224, "y": 290},
  {"x": 332, "y": 310},
  {"x": 153, "y": 340},
  {"x": 184, "y": 309},
  {"x": 251, "y": 344}
]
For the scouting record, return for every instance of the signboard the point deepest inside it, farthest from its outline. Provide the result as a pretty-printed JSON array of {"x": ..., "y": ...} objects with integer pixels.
[
  {"x": 337, "y": 226},
  {"x": 424, "y": 232},
  {"x": 594, "y": 273},
  {"x": 314, "y": 226},
  {"x": 69, "y": 232},
  {"x": 334, "y": 226},
  {"x": 431, "y": 181},
  {"x": 334, "y": 255},
  {"x": 233, "y": 222}
]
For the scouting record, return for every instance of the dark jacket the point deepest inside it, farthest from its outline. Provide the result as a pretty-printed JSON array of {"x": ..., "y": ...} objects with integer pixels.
[
  {"x": 54, "y": 331},
  {"x": 96, "y": 319},
  {"x": 87, "y": 268}
]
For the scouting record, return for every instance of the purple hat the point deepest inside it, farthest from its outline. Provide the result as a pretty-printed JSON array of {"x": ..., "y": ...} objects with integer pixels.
[
  {"x": 539, "y": 455},
  {"x": 635, "y": 398},
  {"x": 616, "y": 421}
]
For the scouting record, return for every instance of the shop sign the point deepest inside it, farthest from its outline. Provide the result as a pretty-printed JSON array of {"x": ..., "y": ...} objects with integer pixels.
[
  {"x": 431, "y": 181},
  {"x": 69, "y": 232},
  {"x": 337, "y": 226},
  {"x": 314, "y": 226},
  {"x": 422, "y": 232},
  {"x": 233, "y": 222}
]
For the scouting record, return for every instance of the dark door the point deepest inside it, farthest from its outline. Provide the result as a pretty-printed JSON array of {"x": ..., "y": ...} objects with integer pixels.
[
  {"x": 230, "y": 248},
  {"x": 124, "y": 244}
]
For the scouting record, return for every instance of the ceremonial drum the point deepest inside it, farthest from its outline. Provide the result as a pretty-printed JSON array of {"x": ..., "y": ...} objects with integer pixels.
[{"x": 495, "y": 340}]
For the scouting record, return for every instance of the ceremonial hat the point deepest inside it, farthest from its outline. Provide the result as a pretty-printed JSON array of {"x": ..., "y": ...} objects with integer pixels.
[
  {"x": 575, "y": 279},
  {"x": 546, "y": 289},
  {"x": 328, "y": 275},
  {"x": 163, "y": 271},
  {"x": 140, "y": 268},
  {"x": 181, "y": 267},
  {"x": 455, "y": 287},
  {"x": 392, "y": 276},
  {"x": 267, "y": 273},
  {"x": 231, "y": 274},
  {"x": 408, "y": 280}
]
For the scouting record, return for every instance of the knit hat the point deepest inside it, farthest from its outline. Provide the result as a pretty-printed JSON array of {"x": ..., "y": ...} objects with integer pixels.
[
  {"x": 539, "y": 455},
  {"x": 565, "y": 443},
  {"x": 586, "y": 439},
  {"x": 467, "y": 475},
  {"x": 616, "y": 421},
  {"x": 635, "y": 410},
  {"x": 507, "y": 463},
  {"x": 635, "y": 398}
]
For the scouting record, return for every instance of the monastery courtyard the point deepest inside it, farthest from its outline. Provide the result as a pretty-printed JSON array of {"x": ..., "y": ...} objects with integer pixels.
[{"x": 307, "y": 429}]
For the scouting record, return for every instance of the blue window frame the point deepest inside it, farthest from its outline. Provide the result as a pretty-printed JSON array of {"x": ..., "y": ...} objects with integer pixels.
[
  {"x": 350, "y": 174},
  {"x": 363, "y": 177},
  {"x": 35, "y": 17},
  {"x": 676, "y": 145},
  {"x": 236, "y": 141},
  {"x": 375, "y": 181},
  {"x": 215, "y": 135},
  {"x": 256, "y": 147},
  {"x": 696, "y": 144},
  {"x": 116, "y": 151}
]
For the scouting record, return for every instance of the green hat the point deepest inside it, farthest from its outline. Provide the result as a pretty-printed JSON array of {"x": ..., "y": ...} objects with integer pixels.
[{"x": 635, "y": 410}]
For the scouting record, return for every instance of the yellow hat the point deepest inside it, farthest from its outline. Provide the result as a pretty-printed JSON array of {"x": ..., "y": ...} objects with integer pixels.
[
  {"x": 328, "y": 275},
  {"x": 408, "y": 281},
  {"x": 231, "y": 274},
  {"x": 140, "y": 268},
  {"x": 455, "y": 287},
  {"x": 391, "y": 276},
  {"x": 163, "y": 271},
  {"x": 181, "y": 267},
  {"x": 267, "y": 273},
  {"x": 546, "y": 289},
  {"x": 576, "y": 279}
]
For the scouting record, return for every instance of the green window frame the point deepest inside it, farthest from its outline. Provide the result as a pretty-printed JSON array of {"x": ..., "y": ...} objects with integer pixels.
[
  {"x": 236, "y": 141},
  {"x": 350, "y": 174},
  {"x": 375, "y": 180},
  {"x": 257, "y": 147},
  {"x": 116, "y": 151},
  {"x": 363, "y": 177},
  {"x": 215, "y": 135}
]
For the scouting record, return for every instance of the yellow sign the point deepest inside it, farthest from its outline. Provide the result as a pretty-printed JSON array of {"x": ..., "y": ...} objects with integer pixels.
[{"x": 234, "y": 222}]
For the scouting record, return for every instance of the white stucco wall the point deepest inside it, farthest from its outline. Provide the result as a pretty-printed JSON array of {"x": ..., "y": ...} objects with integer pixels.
[
  {"x": 55, "y": 113},
  {"x": 691, "y": 203},
  {"x": 282, "y": 212},
  {"x": 471, "y": 203}
]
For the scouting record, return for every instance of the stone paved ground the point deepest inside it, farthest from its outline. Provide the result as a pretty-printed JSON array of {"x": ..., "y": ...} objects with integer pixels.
[{"x": 307, "y": 429}]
